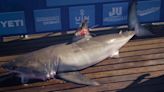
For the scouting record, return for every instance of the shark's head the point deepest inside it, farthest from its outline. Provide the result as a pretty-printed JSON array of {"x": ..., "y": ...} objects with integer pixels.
[
  {"x": 6, "y": 66},
  {"x": 10, "y": 66},
  {"x": 16, "y": 68},
  {"x": 23, "y": 70}
]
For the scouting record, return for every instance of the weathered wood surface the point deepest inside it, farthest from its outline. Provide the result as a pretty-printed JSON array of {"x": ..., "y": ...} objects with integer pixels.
[{"x": 140, "y": 68}]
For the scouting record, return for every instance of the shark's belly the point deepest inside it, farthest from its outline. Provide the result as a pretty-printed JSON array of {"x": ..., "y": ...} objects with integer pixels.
[{"x": 83, "y": 56}]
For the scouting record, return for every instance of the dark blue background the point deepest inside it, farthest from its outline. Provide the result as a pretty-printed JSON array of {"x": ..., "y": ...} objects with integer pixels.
[{"x": 28, "y": 7}]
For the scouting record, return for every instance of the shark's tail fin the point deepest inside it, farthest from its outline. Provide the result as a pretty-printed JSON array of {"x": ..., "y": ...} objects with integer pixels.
[{"x": 133, "y": 22}]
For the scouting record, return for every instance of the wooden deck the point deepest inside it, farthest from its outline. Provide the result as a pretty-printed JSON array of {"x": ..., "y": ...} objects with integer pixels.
[{"x": 140, "y": 68}]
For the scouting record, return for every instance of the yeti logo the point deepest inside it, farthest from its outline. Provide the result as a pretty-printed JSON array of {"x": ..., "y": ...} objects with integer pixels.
[
  {"x": 12, "y": 23},
  {"x": 116, "y": 11}
]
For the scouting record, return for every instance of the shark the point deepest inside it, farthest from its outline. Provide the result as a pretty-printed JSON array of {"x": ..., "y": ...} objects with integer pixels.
[{"x": 65, "y": 61}]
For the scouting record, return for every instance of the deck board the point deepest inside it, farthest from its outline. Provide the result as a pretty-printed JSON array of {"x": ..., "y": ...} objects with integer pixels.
[{"x": 140, "y": 68}]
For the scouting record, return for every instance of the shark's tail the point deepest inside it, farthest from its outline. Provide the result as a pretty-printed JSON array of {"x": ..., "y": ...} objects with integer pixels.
[{"x": 133, "y": 22}]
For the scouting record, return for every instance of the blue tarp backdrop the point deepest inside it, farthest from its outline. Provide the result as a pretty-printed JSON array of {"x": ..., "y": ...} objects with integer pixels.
[{"x": 33, "y": 16}]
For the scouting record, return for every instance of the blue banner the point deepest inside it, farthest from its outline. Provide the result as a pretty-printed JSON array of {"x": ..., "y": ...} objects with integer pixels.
[
  {"x": 75, "y": 2},
  {"x": 12, "y": 23},
  {"x": 31, "y": 17},
  {"x": 149, "y": 10},
  {"x": 162, "y": 12},
  {"x": 79, "y": 13},
  {"x": 115, "y": 13},
  {"x": 47, "y": 20}
]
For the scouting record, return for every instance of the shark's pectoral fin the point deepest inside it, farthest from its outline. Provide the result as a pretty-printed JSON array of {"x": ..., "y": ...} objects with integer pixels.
[
  {"x": 77, "y": 77},
  {"x": 115, "y": 54}
]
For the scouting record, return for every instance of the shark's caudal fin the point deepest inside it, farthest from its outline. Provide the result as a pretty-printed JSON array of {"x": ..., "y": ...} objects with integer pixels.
[{"x": 133, "y": 21}]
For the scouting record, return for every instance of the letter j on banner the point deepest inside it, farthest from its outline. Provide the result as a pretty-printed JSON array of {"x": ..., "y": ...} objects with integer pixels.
[{"x": 115, "y": 13}]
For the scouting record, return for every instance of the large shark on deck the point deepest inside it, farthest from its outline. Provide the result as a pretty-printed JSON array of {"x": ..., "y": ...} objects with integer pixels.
[{"x": 64, "y": 61}]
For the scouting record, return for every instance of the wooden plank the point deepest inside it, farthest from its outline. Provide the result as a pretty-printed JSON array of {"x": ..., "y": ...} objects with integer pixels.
[
  {"x": 125, "y": 71},
  {"x": 142, "y": 47},
  {"x": 123, "y": 66},
  {"x": 132, "y": 59},
  {"x": 141, "y": 52},
  {"x": 145, "y": 41}
]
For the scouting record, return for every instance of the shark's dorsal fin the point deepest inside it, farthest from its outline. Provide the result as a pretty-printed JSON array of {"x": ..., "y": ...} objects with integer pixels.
[{"x": 82, "y": 34}]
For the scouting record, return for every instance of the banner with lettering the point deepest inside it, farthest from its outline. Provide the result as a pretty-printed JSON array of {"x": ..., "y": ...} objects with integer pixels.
[
  {"x": 47, "y": 20},
  {"x": 31, "y": 17},
  {"x": 12, "y": 23}
]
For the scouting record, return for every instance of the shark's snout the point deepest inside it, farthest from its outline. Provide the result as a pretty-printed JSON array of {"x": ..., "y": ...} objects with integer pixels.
[{"x": 10, "y": 66}]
